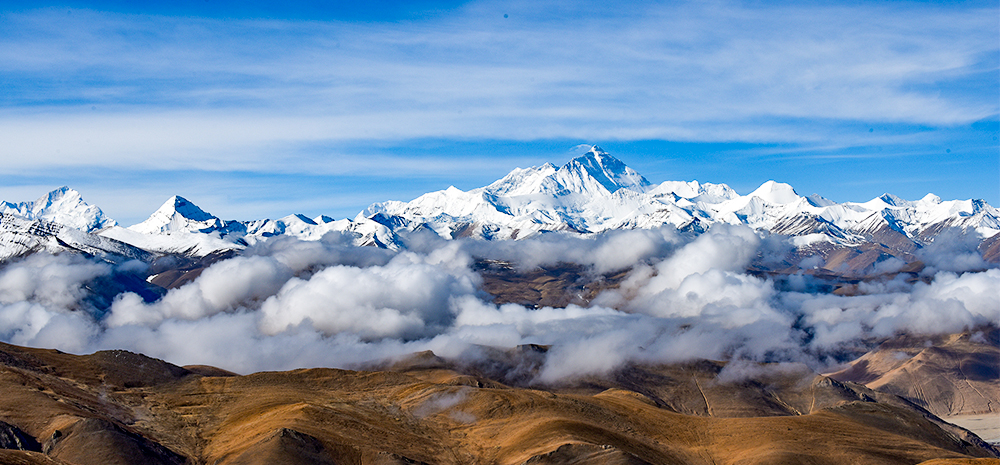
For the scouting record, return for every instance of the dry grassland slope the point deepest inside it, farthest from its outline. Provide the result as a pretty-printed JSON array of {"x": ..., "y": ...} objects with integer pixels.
[{"x": 123, "y": 408}]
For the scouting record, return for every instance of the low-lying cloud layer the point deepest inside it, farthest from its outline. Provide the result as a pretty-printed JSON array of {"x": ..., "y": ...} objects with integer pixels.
[{"x": 287, "y": 303}]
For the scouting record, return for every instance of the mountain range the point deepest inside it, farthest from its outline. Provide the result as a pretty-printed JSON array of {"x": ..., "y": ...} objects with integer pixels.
[
  {"x": 875, "y": 358},
  {"x": 590, "y": 194}
]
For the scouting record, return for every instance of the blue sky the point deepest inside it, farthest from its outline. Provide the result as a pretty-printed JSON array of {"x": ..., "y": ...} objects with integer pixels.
[{"x": 254, "y": 110}]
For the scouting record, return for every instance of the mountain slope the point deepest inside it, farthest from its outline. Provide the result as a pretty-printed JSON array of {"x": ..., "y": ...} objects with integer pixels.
[
  {"x": 956, "y": 374},
  {"x": 64, "y": 206},
  {"x": 20, "y": 237},
  {"x": 596, "y": 192},
  {"x": 125, "y": 408},
  {"x": 181, "y": 227},
  {"x": 590, "y": 194}
]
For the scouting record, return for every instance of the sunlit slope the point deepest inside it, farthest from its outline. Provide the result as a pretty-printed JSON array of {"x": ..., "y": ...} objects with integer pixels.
[
  {"x": 119, "y": 407},
  {"x": 948, "y": 375}
]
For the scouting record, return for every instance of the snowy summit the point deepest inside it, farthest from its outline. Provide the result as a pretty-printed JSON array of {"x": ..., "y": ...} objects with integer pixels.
[{"x": 590, "y": 194}]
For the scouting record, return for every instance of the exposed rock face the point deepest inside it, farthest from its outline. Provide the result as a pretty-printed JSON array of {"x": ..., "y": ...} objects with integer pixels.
[{"x": 12, "y": 438}]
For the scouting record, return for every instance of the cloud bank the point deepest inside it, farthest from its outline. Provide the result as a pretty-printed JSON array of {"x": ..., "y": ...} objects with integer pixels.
[{"x": 287, "y": 303}]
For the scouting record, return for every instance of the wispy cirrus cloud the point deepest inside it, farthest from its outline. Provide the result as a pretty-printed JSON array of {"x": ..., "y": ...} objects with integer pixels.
[
  {"x": 91, "y": 89},
  {"x": 671, "y": 71}
]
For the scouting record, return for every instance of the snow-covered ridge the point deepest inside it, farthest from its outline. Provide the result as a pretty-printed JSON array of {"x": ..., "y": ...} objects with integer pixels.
[
  {"x": 590, "y": 194},
  {"x": 180, "y": 226},
  {"x": 20, "y": 236},
  {"x": 178, "y": 214},
  {"x": 596, "y": 192},
  {"x": 64, "y": 206}
]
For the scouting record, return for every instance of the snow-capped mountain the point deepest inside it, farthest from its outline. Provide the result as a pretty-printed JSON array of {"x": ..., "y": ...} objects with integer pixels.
[
  {"x": 20, "y": 236},
  {"x": 590, "y": 194},
  {"x": 57, "y": 222},
  {"x": 64, "y": 206},
  {"x": 596, "y": 192},
  {"x": 178, "y": 214},
  {"x": 181, "y": 227}
]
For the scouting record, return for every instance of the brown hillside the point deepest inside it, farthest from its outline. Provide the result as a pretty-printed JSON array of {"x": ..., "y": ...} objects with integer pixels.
[
  {"x": 948, "y": 375},
  {"x": 123, "y": 408}
]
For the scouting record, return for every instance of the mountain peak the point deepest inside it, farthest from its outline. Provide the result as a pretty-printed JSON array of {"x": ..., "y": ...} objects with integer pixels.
[
  {"x": 931, "y": 198},
  {"x": 62, "y": 191},
  {"x": 597, "y": 156},
  {"x": 591, "y": 172},
  {"x": 893, "y": 200},
  {"x": 185, "y": 208},
  {"x": 64, "y": 206},
  {"x": 60, "y": 195},
  {"x": 817, "y": 200},
  {"x": 774, "y": 192},
  {"x": 177, "y": 214},
  {"x": 607, "y": 170}
]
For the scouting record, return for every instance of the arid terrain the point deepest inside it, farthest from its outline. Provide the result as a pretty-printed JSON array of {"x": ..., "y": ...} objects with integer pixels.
[{"x": 117, "y": 407}]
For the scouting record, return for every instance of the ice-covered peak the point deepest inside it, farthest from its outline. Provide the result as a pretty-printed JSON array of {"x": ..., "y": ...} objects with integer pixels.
[
  {"x": 817, "y": 200},
  {"x": 298, "y": 218},
  {"x": 177, "y": 214},
  {"x": 695, "y": 191},
  {"x": 185, "y": 208},
  {"x": 522, "y": 181},
  {"x": 682, "y": 189},
  {"x": 58, "y": 195},
  {"x": 589, "y": 173},
  {"x": 607, "y": 170},
  {"x": 893, "y": 200},
  {"x": 64, "y": 206},
  {"x": 931, "y": 198},
  {"x": 776, "y": 193}
]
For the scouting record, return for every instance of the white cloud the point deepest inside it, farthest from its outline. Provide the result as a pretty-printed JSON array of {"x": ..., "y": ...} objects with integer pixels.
[
  {"x": 196, "y": 93},
  {"x": 612, "y": 251},
  {"x": 288, "y": 304},
  {"x": 406, "y": 298},
  {"x": 225, "y": 286},
  {"x": 51, "y": 280}
]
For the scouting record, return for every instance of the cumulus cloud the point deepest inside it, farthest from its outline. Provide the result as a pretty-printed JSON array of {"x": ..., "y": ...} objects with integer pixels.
[
  {"x": 406, "y": 298},
  {"x": 334, "y": 248},
  {"x": 953, "y": 250},
  {"x": 223, "y": 286},
  {"x": 611, "y": 251},
  {"x": 50, "y": 280},
  {"x": 287, "y": 303},
  {"x": 950, "y": 303},
  {"x": 43, "y": 301},
  {"x": 704, "y": 275}
]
